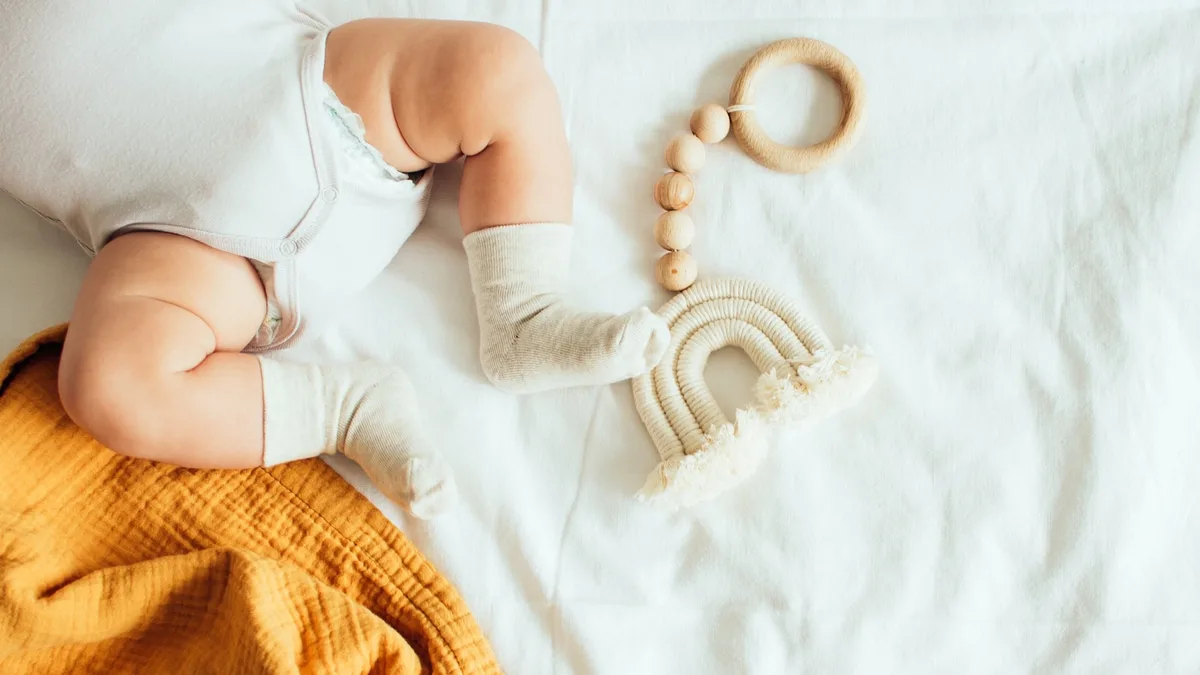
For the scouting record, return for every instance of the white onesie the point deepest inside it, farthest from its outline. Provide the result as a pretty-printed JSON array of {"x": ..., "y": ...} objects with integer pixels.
[{"x": 205, "y": 118}]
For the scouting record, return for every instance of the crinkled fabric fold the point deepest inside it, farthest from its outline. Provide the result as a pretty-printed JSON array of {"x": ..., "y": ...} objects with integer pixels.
[{"x": 113, "y": 565}]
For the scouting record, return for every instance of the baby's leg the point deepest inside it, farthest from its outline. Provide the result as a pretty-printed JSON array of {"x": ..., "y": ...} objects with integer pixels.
[
  {"x": 431, "y": 91},
  {"x": 152, "y": 368}
]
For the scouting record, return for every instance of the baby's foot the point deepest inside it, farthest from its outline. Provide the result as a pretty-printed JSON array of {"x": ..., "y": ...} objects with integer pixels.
[
  {"x": 531, "y": 337},
  {"x": 366, "y": 411},
  {"x": 423, "y": 485},
  {"x": 381, "y": 429},
  {"x": 556, "y": 346}
]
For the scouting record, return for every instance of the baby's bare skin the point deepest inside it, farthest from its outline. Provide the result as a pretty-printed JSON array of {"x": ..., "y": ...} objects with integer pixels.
[{"x": 152, "y": 364}]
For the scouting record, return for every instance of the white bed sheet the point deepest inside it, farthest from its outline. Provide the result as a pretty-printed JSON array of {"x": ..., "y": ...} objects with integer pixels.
[{"x": 1017, "y": 236}]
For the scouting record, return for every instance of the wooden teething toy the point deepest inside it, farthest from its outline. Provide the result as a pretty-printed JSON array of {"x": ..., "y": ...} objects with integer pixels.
[
  {"x": 711, "y": 124},
  {"x": 804, "y": 378},
  {"x": 755, "y": 141}
]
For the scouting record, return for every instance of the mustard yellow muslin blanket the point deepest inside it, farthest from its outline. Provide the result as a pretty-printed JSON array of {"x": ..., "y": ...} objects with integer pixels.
[{"x": 114, "y": 565}]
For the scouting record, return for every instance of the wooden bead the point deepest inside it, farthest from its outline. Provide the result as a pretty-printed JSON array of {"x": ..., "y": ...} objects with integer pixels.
[
  {"x": 676, "y": 270},
  {"x": 686, "y": 153},
  {"x": 710, "y": 123},
  {"x": 674, "y": 191},
  {"x": 674, "y": 230}
]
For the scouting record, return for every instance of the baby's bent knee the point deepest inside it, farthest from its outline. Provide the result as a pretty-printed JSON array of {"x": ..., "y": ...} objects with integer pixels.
[
  {"x": 504, "y": 86},
  {"x": 510, "y": 68},
  {"x": 114, "y": 403},
  {"x": 505, "y": 50}
]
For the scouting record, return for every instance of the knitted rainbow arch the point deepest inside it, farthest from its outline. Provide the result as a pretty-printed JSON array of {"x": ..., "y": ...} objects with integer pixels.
[{"x": 804, "y": 380}]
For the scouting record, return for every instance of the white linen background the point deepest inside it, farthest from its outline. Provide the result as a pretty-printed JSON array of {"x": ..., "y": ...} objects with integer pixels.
[{"x": 1016, "y": 235}]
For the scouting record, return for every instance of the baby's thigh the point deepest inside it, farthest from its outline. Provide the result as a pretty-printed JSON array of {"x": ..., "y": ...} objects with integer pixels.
[
  {"x": 160, "y": 302},
  {"x": 153, "y": 308},
  {"x": 429, "y": 91}
]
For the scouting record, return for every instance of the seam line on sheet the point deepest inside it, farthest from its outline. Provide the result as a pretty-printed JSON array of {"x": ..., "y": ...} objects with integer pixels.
[
  {"x": 544, "y": 20},
  {"x": 556, "y": 606},
  {"x": 775, "y": 18}
]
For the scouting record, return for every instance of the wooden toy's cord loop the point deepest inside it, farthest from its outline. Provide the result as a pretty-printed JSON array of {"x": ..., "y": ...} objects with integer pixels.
[{"x": 786, "y": 158}]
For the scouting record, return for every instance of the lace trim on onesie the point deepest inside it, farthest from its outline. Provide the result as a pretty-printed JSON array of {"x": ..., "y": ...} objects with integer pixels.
[{"x": 354, "y": 137}]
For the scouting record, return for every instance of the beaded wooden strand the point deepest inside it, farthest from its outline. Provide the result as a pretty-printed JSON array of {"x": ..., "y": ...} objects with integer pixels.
[
  {"x": 674, "y": 230},
  {"x": 711, "y": 123}
]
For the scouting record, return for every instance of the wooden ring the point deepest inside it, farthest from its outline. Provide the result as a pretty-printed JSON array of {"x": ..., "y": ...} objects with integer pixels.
[{"x": 786, "y": 158}]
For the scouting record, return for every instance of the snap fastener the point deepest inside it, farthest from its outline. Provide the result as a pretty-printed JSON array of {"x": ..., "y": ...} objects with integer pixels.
[
  {"x": 330, "y": 194},
  {"x": 288, "y": 247}
]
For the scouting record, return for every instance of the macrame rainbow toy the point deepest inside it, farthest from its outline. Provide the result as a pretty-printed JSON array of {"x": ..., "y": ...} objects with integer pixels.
[{"x": 804, "y": 378}]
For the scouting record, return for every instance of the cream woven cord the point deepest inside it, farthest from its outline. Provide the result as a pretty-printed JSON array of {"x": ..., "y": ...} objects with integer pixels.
[{"x": 804, "y": 379}]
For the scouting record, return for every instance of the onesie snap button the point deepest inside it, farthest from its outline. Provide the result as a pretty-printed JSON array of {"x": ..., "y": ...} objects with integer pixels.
[
  {"x": 330, "y": 194},
  {"x": 288, "y": 247}
]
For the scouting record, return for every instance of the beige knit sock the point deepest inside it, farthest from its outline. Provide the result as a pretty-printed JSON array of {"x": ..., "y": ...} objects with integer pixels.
[
  {"x": 366, "y": 411},
  {"x": 532, "y": 338}
]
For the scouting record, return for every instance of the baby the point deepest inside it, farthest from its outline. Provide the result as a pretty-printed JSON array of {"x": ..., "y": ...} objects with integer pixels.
[{"x": 239, "y": 169}]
